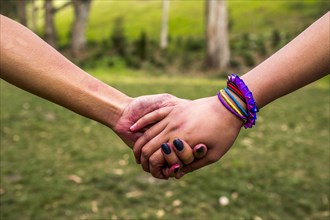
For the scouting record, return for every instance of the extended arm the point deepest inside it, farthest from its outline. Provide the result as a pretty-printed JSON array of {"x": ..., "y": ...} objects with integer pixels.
[
  {"x": 31, "y": 64},
  {"x": 302, "y": 61}
]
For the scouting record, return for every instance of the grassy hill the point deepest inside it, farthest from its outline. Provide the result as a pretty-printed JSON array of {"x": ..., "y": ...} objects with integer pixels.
[{"x": 186, "y": 18}]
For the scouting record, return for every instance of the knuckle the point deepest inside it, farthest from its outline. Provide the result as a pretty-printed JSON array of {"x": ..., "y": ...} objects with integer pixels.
[
  {"x": 136, "y": 151},
  {"x": 168, "y": 99},
  {"x": 158, "y": 113},
  {"x": 174, "y": 128},
  {"x": 145, "y": 165},
  {"x": 167, "y": 95},
  {"x": 145, "y": 153},
  {"x": 153, "y": 162},
  {"x": 145, "y": 168},
  {"x": 147, "y": 135}
]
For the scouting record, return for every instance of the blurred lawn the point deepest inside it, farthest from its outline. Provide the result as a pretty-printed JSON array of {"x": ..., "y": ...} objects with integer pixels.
[{"x": 277, "y": 170}]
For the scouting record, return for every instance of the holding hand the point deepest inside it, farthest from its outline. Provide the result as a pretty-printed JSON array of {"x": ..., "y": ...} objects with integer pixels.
[
  {"x": 203, "y": 120},
  {"x": 137, "y": 108},
  {"x": 170, "y": 163}
]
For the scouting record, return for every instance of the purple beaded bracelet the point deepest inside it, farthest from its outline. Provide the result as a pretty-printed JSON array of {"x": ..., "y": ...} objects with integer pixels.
[
  {"x": 249, "y": 100},
  {"x": 252, "y": 109}
]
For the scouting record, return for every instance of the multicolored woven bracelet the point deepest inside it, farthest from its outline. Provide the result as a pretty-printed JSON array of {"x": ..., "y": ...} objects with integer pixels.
[
  {"x": 224, "y": 103},
  {"x": 242, "y": 110},
  {"x": 234, "y": 83}
]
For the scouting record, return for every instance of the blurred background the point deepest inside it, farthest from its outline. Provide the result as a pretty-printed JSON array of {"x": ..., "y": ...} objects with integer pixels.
[{"x": 58, "y": 165}]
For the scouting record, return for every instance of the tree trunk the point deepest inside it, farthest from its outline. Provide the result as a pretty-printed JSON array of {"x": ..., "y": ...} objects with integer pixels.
[
  {"x": 217, "y": 44},
  {"x": 78, "y": 38},
  {"x": 34, "y": 11},
  {"x": 50, "y": 29},
  {"x": 164, "y": 31},
  {"x": 21, "y": 12}
]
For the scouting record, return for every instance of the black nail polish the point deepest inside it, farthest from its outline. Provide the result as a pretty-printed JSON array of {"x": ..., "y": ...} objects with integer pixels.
[
  {"x": 178, "y": 144},
  {"x": 176, "y": 169},
  {"x": 166, "y": 148},
  {"x": 200, "y": 150}
]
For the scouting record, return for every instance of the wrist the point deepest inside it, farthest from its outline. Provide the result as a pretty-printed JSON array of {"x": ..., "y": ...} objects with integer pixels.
[
  {"x": 254, "y": 85},
  {"x": 115, "y": 109},
  {"x": 102, "y": 102},
  {"x": 237, "y": 87},
  {"x": 224, "y": 115}
]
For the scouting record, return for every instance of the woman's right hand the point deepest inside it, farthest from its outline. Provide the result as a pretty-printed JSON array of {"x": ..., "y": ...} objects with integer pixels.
[{"x": 200, "y": 121}]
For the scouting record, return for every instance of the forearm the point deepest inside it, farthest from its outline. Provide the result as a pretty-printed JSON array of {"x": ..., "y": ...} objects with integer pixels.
[
  {"x": 31, "y": 64},
  {"x": 302, "y": 61}
]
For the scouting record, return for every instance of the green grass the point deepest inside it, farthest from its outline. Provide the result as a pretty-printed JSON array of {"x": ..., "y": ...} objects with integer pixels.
[
  {"x": 186, "y": 17},
  {"x": 277, "y": 170}
]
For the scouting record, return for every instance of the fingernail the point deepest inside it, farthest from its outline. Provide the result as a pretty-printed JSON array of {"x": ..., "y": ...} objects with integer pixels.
[
  {"x": 166, "y": 149},
  {"x": 132, "y": 127},
  {"x": 178, "y": 144},
  {"x": 175, "y": 168},
  {"x": 200, "y": 150}
]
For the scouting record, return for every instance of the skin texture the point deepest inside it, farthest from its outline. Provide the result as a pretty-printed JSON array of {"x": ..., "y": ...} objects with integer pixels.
[
  {"x": 302, "y": 61},
  {"x": 31, "y": 64},
  {"x": 184, "y": 122}
]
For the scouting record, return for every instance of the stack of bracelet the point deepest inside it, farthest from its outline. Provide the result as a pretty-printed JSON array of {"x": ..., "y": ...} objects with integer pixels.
[{"x": 238, "y": 87}]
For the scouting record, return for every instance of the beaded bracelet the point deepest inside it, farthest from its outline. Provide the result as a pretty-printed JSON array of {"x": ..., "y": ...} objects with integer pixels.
[{"x": 237, "y": 85}]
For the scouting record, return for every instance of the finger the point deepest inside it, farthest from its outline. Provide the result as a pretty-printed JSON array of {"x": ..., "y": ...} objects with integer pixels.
[
  {"x": 157, "y": 164},
  {"x": 169, "y": 155},
  {"x": 171, "y": 171},
  {"x": 145, "y": 138},
  {"x": 174, "y": 163},
  {"x": 199, "y": 151},
  {"x": 183, "y": 151},
  {"x": 152, "y": 146},
  {"x": 150, "y": 118}
]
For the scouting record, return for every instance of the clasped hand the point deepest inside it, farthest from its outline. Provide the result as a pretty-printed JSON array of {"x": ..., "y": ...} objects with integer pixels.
[{"x": 162, "y": 128}]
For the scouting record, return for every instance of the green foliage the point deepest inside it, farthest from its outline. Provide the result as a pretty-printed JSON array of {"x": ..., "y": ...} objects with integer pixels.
[
  {"x": 141, "y": 46},
  {"x": 276, "y": 38},
  {"x": 245, "y": 42},
  {"x": 248, "y": 58},
  {"x": 186, "y": 18},
  {"x": 129, "y": 30},
  {"x": 8, "y": 8},
  {"x": 194, "y": 44},
  {"x": 118, "y": 38},
  {"x": 277, "y": 170},
  {"x": 261, "y": 47},
  {"x": 234, "y": 63}
]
